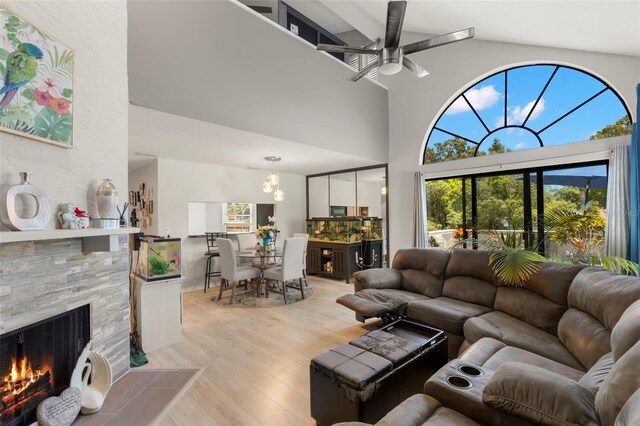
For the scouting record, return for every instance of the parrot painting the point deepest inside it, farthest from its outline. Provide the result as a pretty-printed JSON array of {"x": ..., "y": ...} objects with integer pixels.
[{"x": 22, "y": 67}]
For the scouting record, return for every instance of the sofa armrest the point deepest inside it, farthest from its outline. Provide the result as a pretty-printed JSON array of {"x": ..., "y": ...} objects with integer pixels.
[
  {"x": 377, "y": 278},
  {"x": 540, "y": 396},
  {"x": 413, "y": 411}
]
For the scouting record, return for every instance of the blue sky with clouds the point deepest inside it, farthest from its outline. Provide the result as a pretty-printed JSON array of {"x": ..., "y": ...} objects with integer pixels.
[{"x": 567, "y": 89}]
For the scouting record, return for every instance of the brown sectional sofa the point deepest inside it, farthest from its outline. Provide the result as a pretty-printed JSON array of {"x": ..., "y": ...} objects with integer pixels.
[{"x": 562, "y": 349}]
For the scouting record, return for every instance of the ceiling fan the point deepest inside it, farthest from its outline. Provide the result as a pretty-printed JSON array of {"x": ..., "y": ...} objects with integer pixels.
[{"x": 392, "y": 57}]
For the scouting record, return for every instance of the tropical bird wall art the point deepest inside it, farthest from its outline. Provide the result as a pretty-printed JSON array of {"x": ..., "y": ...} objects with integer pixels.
[
  {"x": 20, "y": 69},
  {"x": 36, "y": 82}
]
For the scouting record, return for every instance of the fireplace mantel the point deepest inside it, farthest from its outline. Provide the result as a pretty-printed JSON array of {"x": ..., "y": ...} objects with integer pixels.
[{"x": 93, "y": 239}]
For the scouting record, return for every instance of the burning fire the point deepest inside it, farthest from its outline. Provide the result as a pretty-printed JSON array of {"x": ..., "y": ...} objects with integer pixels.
[{"x": 21, "y": 377}]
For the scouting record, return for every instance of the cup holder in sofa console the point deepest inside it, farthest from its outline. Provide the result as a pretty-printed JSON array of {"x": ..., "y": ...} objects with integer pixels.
[
  {"x": 470, "y": 370},
  {"x": 459, "y": 382}
]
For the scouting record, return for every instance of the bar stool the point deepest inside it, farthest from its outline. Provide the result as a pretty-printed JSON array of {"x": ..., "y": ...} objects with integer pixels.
[{"x": 211, "y": 253}]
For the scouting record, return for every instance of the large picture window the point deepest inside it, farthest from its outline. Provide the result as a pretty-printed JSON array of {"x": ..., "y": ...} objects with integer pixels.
[
  {"x": 516, "y": 204},
  {"x": 526, "y": 107}
]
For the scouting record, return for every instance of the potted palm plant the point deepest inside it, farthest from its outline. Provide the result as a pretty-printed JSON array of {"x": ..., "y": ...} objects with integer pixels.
[{"x": 582, "y": 231}]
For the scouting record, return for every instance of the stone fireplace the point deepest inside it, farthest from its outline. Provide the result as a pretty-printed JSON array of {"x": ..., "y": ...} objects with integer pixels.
[{"x": 53, "y": 279}]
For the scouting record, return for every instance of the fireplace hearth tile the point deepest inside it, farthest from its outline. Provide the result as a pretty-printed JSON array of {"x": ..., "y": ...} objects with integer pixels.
[{"x": 127, "y": 388}]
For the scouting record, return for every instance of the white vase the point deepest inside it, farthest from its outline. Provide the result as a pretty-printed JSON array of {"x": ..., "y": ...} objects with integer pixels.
[
  {"x": 10, "y": 216},
  {"x": 107, "y": 199}
]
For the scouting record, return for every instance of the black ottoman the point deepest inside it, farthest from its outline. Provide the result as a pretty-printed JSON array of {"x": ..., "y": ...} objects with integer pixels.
[{"x": 369, "y": 376}]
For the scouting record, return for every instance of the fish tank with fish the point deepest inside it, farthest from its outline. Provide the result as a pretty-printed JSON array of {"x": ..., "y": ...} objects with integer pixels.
[
  {"x": 159, "y": 258},
  {"x": 335, "y": 230}
]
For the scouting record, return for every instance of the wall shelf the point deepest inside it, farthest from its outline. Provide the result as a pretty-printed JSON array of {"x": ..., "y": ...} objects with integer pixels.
[{"x": 93, "y": 239}]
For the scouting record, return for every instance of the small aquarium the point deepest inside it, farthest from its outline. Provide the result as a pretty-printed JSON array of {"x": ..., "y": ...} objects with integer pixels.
[
  {"x": 371, "y": 228},
  {"x": 159, "y": 258},
  {"x": 338, "y": 230}
]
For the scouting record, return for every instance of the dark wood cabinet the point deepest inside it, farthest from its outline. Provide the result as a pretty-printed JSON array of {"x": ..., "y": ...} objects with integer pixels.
[
  {"x": 314, "y": 264},
  {"x": 335, "y": 260}
]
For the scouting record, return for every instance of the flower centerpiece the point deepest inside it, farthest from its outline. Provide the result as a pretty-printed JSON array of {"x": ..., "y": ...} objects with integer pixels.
[{"x": 265, "y": 233}]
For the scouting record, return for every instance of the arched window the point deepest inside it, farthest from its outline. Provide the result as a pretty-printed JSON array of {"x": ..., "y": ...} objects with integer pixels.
[{"x": 527, "y": 107}]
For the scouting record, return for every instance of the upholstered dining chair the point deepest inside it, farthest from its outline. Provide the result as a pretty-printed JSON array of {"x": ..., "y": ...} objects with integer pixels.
[
  {"x": 289, "y": 269},
  {"x": 246, "y": 242},
  {"x": 304, "y": 254},
  {"x": 230, "y": 272}
]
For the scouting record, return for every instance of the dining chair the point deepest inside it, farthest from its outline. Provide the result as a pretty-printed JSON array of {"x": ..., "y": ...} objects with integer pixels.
[
  {"x": 230, "y": 272},
  {"x": 246, "y": 242},
  {"x": 304, "y": 255},
  {"x": 289, "y": 269},
  {"x": 211, "y": 254}
]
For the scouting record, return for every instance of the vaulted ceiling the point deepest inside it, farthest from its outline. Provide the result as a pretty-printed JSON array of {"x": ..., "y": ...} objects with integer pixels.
[{"x": 599, "y": 26}]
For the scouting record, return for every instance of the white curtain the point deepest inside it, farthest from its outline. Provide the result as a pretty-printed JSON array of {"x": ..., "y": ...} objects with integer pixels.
[
  {"x": 420, "y": 238},
  {"x": 618, "y": 203}
]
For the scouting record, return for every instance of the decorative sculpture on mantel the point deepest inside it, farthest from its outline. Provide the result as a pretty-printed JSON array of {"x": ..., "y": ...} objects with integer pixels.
[
  {"x": 92, "y": 365},
  {"x": 11, "y": 218},
  {"x": 67, "y": 217}
]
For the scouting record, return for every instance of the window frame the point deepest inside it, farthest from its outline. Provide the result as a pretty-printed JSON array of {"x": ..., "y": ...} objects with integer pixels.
[
  {"x": 234, "y": 224},
  {"x": 527, "y": 215},
  {"x": 460, "y": 95}
]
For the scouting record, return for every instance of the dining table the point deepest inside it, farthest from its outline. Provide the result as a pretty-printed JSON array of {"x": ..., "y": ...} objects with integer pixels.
[{"x": 263, "y": 261}]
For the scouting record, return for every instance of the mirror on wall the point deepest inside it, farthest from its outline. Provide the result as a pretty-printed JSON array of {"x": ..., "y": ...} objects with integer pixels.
[
  {"x": 227, "y": 217},
  {"x": 318, "y": 204},
  {"x": 371, "y": 196},
  {"x": 342, "y": 194},
  {"x": 358, "y": 192}
]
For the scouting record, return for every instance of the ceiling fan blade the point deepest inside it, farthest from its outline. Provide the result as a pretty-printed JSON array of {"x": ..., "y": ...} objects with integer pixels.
[
  {"x": 357, "y": 76},
  {"x": 345, "y": 49},
  {"x": 440, "y": 40},
  {"x": 395, "y": 19},
  {"x": 414, "y": 68}
]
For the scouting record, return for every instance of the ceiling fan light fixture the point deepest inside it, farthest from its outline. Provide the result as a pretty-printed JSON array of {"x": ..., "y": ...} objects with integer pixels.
[{"x": 390, "y": 68}]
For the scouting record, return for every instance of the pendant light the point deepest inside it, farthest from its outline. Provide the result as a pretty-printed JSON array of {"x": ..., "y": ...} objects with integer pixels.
[{"x": 273, "y": 180}]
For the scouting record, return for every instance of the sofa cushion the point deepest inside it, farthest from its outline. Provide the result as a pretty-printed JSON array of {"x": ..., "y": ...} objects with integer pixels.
[
  {"x": 422, "y": 270},
  {"x": 584, "y": 336},
  {"x": 470, "y": 278},
  {"x": 542, "y": 300},
  {"x": 491, "y": 354},
  {"x": 597, "y": 299},
  {"x": 392, "y": 298},
  {"x": 364, "y": 306},
  {"x": 539, "y": 396},
  {"x": 444, "y": 313},
  {"x": 530, "y": 307},
  {"x": 619, "y": 385},
  {"x": 377, "y": 278},
  {"x": 514, "y": 332},
  {"x": 422, "y": 409},
  {"x": 594, "y": 378},
  {"x": 630, "y": 413},
  {"x": 627, "y": 331},
  {"x": 604, "y": 295},
  {"x": 553, "y": 281}
]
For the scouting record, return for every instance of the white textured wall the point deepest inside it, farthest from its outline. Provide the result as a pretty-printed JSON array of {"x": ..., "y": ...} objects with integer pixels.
[
  {"x": 180, "y": 182},
  {"x": 415, "y": 103},
  {"x": 248, "y": 73},
  {"x": 98, "y": 33}
]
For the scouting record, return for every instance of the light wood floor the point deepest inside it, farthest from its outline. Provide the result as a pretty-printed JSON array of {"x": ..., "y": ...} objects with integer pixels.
[{"x": 256, "y": 360}]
